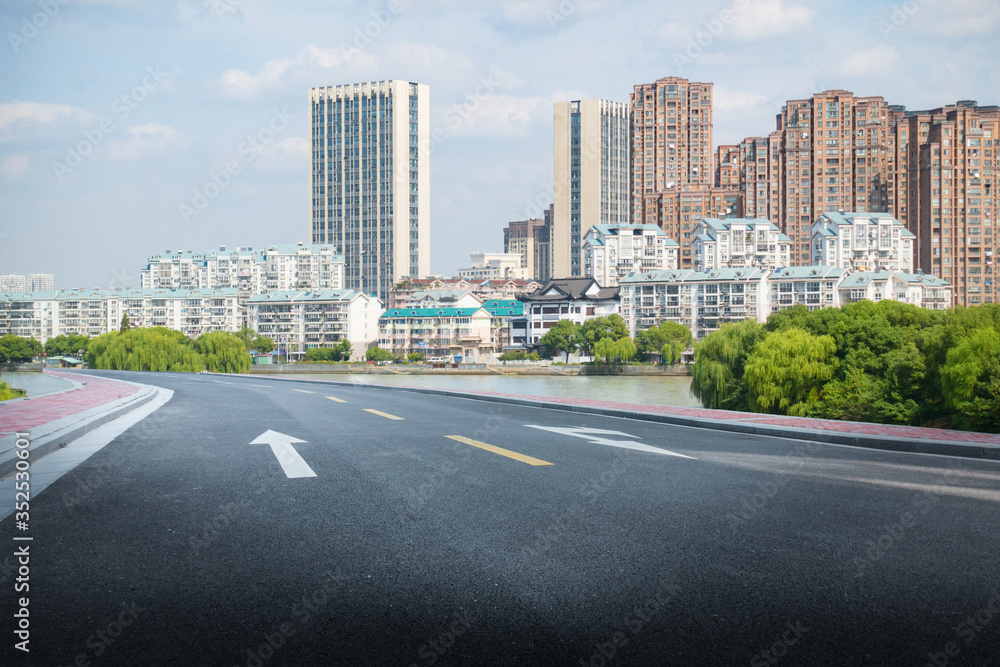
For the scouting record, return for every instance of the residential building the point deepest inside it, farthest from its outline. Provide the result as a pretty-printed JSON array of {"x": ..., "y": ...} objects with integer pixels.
[
  {"x": 249, "y": 271},
  {"x": 300, "y": 320},
  {"x": 862, "y": 242},
  {"x": 613, "y": 251},
  {"x": 455, "y": 334},
  {"x": 494, "y": 266},
  {"x": 591, "y": 172},
  {"x": 573, "y": 299},
  {"x": 918, "y": 289},
  {"x": 677, "y": 212},
  {"x": 835, "y": 153},
  {"x": 404, "y": 292},
  {"x": 727, "y": 166},
  {"x": 700, "y": 300},
  {"x": 436, "y": 299},
  {"x": 810, "y": 286},
  {"x": 370, "y": 200},
  {"x": 36, "y": 282},
  {"x": 671, "y": 141},
  {"x": 952, "y": 200},
  {"x": 13, "y": 283},
  {"x": 44, "y": 315},
  {"x": 739, "y": 242},
  {"x": 39, "y": 282},
  {"x": 529, "y": 239}
]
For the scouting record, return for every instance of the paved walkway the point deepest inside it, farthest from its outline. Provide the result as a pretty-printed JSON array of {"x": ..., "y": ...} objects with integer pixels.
[{"x": 30, "y": 413}]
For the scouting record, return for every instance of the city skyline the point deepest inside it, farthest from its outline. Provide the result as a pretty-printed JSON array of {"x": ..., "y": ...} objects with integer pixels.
[{"x": 209, "y": 147}]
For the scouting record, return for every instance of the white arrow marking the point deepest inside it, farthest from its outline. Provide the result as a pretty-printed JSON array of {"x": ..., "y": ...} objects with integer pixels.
[
  {"x": 281, "y": 444},
  {"x": 593, "y": 435}
]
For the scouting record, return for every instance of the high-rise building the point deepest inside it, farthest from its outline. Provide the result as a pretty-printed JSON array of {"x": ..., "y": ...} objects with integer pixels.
[
  {"x": 39, "y": 282},
  {"x": 835, "y": 153},
  {"x": 522, "y": 237},
  {"x": 677, "y": 212},
  {"x": 591, "y": 172},
  {"x": 671, "y": 140},
  {"x": 370, "y": 195},
  {"x": 951, "y": 199},
  {"x": 13, "y": 283}
]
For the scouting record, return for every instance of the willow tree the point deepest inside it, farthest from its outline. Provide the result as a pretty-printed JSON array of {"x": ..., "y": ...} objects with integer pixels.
[
  {"x": 718, "y": 365},
  {"x": 224, "y": 352},
  {"x": 970, "y": 380},
  {"x": 615, "y": 351},
  {"x": 787, "y": 370},
  {"x": 152, "y": 349}
]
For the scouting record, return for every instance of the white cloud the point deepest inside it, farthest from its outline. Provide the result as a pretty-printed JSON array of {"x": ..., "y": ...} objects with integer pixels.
[
  {"x": 288, "y": 154},
  {"x": 497, "y": 115},
  {"x": 14, "y": 166},
  {"x": 239, "y": 84},
  {"x": 146, "y": 141},
  {"x": 880, "y": 59},
  {"x": 756, "y": 19},
  {"x": 17, "y": 113}
]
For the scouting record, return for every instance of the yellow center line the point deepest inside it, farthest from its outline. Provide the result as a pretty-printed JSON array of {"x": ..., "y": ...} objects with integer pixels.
[
  {"x": 302, "y": 391},
  {"x": 338, "y": 400},
  {"x": 383, "y": 414},
  {"x": 523, "y": 458}
]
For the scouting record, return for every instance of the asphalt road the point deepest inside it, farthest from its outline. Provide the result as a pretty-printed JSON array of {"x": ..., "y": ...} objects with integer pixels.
[{"x": 181, "y": 543}]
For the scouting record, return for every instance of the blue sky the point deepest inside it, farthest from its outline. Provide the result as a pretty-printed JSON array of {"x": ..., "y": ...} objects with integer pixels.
[{"x": 115, "y": 114}]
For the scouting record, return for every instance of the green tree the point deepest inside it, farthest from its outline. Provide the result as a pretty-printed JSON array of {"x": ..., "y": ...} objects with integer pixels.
[
  {"x": 319, "y": 354},
  {"x": 6, "y": 393},
  {"x": 378, "y": 354},
  {"x": 125, "y": 325},
  {"x": 223, "y": 352},
  {"x": 254, "y": 342},
  {"x": 719, "y": 361},
  {"x": 416, "y": 357},
  {"x": 343, "y": 350},
  {"x": 597, "y": 328},
  {"x": 563, "y": 337},
  {"x": 18, "y": 350},
  {"x": 785, "y": 372},
  {"x": 66, "y": 345},
  {"x": 670, "y": 336},
  {"x": 971, "y": 381}
]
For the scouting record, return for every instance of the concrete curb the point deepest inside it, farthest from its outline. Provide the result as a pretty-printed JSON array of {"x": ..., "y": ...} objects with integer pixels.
[
  {"x": 49, "y": 437},
  {"x": 940, "y": 447}
]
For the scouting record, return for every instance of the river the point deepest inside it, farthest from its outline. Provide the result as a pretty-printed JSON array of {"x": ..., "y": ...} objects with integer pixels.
[{"x": 673, "y": 390}]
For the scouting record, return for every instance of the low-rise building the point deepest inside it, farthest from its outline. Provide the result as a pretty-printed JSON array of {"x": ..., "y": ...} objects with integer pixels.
[
  {"x": 438, "y": 333},
  {"x": 920, "y": 290},
  {"x": 299, "y": 320},
  {"x": 495, "y": 266},
  {"x": 611, "y": 252},
  {"x": 574, "y": 299},
  {"x": 700, "y": 300},
  {"x": 810, "y": 286},
  {"x": 739, "y": 243},
  {"x": 862, "y": 242}
]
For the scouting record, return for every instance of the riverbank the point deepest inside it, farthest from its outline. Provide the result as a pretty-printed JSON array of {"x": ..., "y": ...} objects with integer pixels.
[
  {"x": 470, "y": 369},
  {"x": 664, "y": 390}
]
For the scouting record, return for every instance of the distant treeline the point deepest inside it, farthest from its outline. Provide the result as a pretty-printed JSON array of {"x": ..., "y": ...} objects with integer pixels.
[{"x": 886, "y": 362}]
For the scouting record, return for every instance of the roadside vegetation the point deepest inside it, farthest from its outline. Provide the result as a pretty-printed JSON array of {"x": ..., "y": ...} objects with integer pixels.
[{"x": 886, "y": 362}]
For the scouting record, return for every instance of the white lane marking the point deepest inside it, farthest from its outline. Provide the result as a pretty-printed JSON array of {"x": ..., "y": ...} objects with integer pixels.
[
  {"x": 291, "y": 462},
  {"x": 594, "y": 435}
]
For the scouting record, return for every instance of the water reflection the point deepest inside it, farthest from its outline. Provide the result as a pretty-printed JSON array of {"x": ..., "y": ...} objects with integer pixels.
[{"x": 667, "y": 390}]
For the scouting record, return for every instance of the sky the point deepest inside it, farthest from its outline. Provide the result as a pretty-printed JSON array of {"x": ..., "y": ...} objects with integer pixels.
[{"x": 118, "y": 118}]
